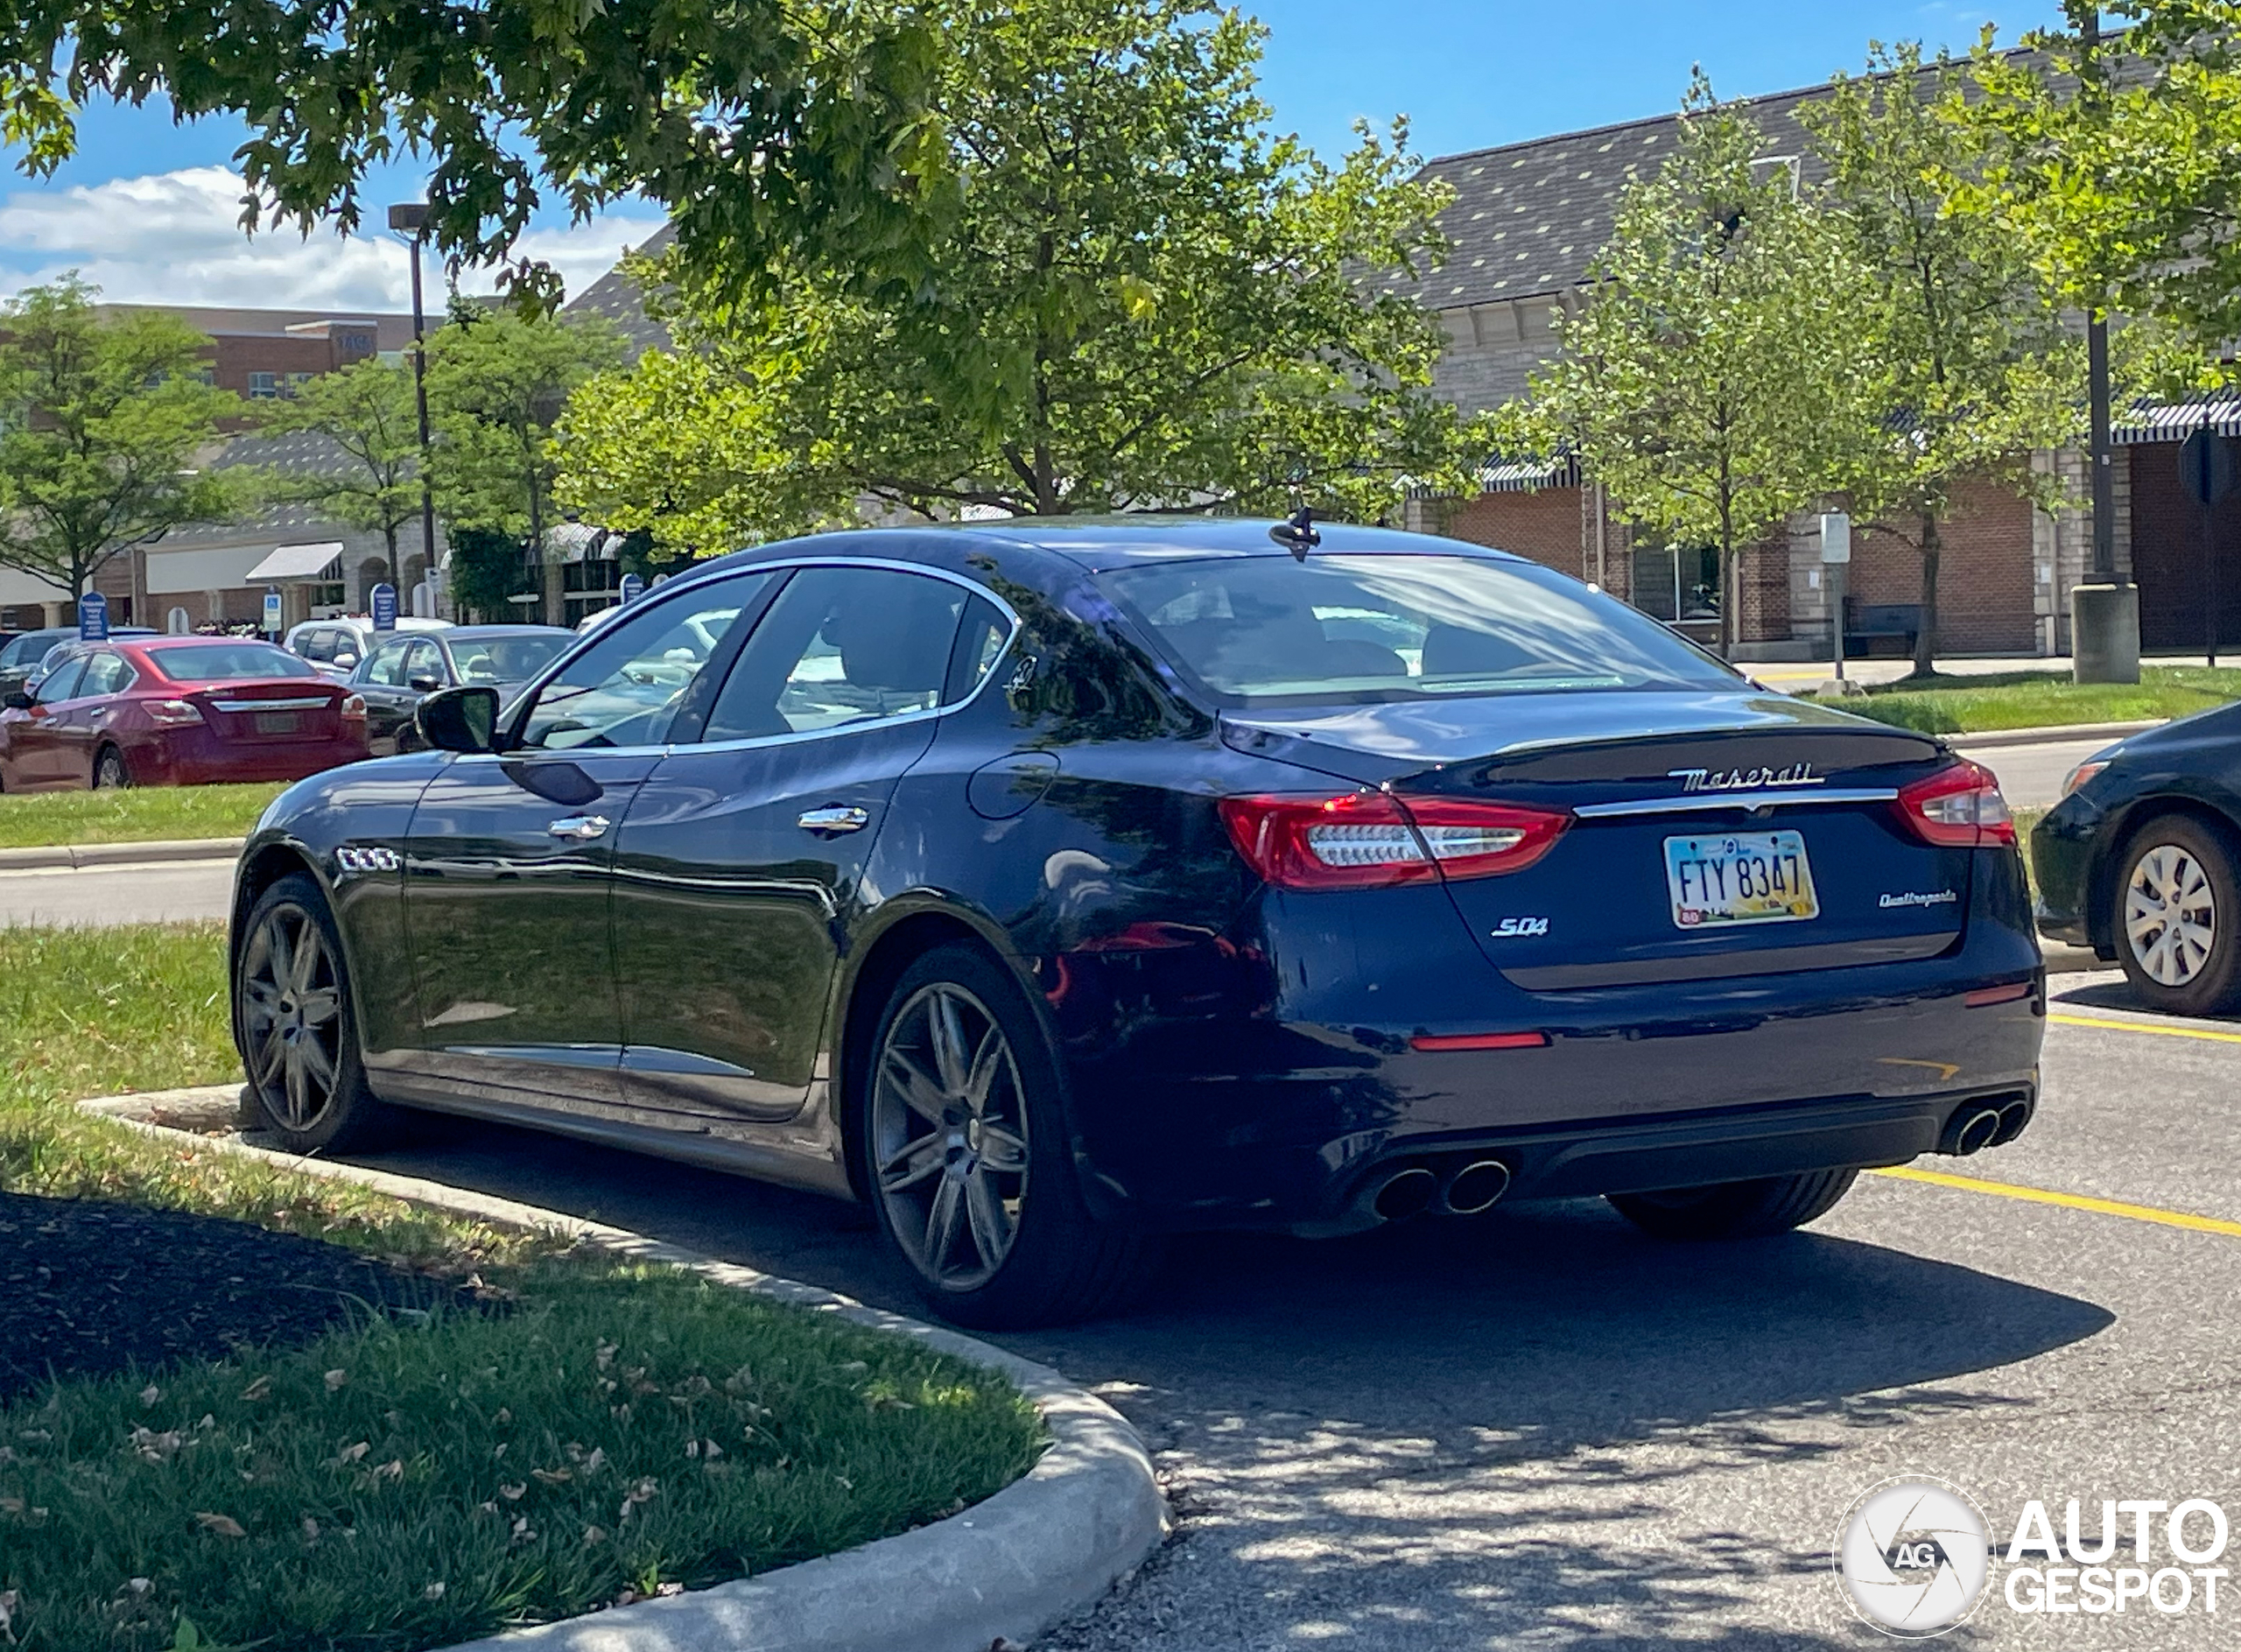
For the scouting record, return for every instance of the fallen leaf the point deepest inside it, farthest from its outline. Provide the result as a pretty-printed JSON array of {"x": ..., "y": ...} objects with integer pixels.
[
  {"x": 394, "y": 1469},
  {"x": 497, "y": 1451},
  {"x": 149, "y": 1395},
  {"x": 433, "y": 1592},
  {"x": 513, "y": 1494},
  {"x": 551, "y": 1476},
  {"x": 258, "y": 1389},
  {"x": 505, "y": 1415},
  {"x": 596, "y": 1461},
  {"x": 710, "y": 1449},
  {"x": 335, "y": 1379},
  {"x": 594, "y": 1534},
  {"x": 350, "y": 1454},
  {"x": 222, "y": 1525},
  {"x": 311, "y": 1529}
]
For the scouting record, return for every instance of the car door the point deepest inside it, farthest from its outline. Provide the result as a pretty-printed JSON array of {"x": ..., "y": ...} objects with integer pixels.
[
  {"x": 507, "y": 862},
  {"x": 36, "y": 740},
  {"x": 78, "y": 722},
  {"x": 744, "y": 854},
  {"x": 379, "y": 680}
]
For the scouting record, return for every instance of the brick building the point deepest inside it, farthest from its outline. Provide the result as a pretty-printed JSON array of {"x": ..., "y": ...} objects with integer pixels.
[
  {"x": 191, "y": 576},
  {"x": 1526, "y": 221}
]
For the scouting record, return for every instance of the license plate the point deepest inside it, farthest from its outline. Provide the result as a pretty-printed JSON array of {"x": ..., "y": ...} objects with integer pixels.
[
  {"x": 276, "y": 722},
  {"x": 1739, "y": 877}
]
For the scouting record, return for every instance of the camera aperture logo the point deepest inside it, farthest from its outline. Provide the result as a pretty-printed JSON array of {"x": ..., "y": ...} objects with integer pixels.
[{"x": 1913, "y": 1556}]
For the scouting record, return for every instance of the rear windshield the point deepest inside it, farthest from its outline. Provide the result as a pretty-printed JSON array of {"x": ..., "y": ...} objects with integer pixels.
[
  {"x": 228, "y": 663},
  {"x": 1354, "y": 627}
]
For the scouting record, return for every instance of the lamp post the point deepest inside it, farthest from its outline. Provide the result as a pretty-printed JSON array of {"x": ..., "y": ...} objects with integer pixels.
[{"x": 409, "y": 221}]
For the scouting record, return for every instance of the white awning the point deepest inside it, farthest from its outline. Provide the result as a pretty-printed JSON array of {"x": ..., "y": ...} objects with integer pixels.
[{"x": 313, "y": 563}]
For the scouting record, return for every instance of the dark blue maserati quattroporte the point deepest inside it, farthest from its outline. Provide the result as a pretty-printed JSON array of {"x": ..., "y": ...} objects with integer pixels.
[{"x": 1053, "y": 886}]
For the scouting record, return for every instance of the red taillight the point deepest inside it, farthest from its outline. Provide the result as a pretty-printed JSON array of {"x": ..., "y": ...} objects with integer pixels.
[
  {"x": 1371, "y": 839},
  {"x": 1959, "y": 807},
  {"x": 354, "y": 708},
  {"x": 172, "y": 713}
]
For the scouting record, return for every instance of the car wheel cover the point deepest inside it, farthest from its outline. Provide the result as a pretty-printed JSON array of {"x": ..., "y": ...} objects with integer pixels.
[
  {"x": 110, "y": 775},
  {"x": 2170, "y": 915},
  {"x": 292, "y": 1015},
  {"x": 948, "y": 1136}
]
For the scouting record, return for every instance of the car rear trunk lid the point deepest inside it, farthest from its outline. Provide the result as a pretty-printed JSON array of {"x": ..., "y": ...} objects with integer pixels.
[{"x": 279, "y": 711}]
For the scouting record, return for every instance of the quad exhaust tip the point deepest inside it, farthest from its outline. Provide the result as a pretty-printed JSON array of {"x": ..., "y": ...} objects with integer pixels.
[
  {"x": 1407, "y": 1193},
  {"x": 1972, "y": 1131},
  {"x": 1476, "y": 1186}
]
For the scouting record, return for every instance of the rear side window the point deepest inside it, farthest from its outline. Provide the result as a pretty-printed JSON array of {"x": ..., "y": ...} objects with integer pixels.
[
  {"x": 1354, "y": 627},
  {"x": 318, "y": 646},
  {"x": 105, "y": 674},
  {"x": 229, "y": 663},
  {"x": 840, "y": 646}
]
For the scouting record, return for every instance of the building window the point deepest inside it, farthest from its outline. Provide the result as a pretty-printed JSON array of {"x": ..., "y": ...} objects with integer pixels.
[
  {"x": 264, "y": 387},
  {"x": 589, "y": 586},
  {"x": 206, "y": 374},
  {"x": 1676, "y": 582},
  {"x": 295, "y": 383}
]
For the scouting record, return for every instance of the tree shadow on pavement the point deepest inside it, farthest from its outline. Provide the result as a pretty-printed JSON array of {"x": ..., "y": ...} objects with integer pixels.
[{"x": 1535, "y": 1424}]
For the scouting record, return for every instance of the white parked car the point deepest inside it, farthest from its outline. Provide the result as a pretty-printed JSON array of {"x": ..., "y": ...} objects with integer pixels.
[{"x": 336, "y": 645}]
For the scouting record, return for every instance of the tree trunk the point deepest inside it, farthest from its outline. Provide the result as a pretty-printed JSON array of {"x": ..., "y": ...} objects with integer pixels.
[
  {"x": 1926, "y": 639},
  {"x": 1731, "y": 617}
]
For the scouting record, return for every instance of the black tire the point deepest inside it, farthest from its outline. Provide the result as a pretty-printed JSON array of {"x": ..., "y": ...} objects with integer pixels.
[
  {"x": 278, "y": 1025},
  {"x": 1735, "y": 1210},
  {"x": 1056, "y": 1263},
  {"x": 109, "y": 772},
  {"x": 2174, "y": 914}
]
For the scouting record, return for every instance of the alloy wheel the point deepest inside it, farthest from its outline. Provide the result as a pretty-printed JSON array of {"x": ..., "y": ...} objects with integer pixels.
[
  {"x": 948, "y": 1136},
  {"x": 291, "y": 1012},
  {"x": 2170, "y": 915}
]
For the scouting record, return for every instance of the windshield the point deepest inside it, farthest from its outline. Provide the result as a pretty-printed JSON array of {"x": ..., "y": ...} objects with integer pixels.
[
  {"x": 1260, "y": 629},
  {"x": 506, "y": 659},
  {"x": 228, "y": 663}
]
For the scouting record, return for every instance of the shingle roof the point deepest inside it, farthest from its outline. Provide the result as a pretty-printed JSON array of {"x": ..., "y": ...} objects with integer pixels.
[
  {"x": 302, "y": 454},
  {"x": 616, "y": 295}
]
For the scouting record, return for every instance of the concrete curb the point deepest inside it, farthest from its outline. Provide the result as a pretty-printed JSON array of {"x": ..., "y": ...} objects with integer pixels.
[
  {"x": 1082, "y": 1518},
  {"x": 1992, "y": 738},
  {"x": 148, "y": 853}
]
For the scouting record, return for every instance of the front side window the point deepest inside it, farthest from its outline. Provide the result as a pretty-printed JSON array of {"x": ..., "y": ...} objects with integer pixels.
[
  {"x": 320, "y": 647},
  {"x": 1367, "y": 628},
  {"x": 385, "y": 667},
  {"x": 61, "y": 683},
  {"x": 628, "y": 688},
  {"x": 229, "y": 663},
  {"x": 423, "y": 665},
  {"x": 505, "y": 659},
  {"x": 842, "y": 645}
]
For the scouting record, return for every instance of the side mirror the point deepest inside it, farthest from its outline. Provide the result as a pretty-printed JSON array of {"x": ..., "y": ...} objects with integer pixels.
[
  {"x": 425, "y": 684},
  {"x": 346, "y": 661},
  {"x": 459, "y": 720},
  {"x": 17, "y": 700}
]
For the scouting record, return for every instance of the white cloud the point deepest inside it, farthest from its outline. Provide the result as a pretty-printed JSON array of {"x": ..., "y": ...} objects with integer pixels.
[{"x": 175, "y": 238}]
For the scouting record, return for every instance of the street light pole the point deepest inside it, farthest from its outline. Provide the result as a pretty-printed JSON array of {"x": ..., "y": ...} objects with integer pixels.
[{"x": 411, "y": 219}]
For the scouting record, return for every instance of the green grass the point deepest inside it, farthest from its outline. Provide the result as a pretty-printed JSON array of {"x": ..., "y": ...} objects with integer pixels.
[
  {"x": 2031, "y": 700},
  {"x": 468, "y": 1471},
  {"x": 37, "y": 818}
]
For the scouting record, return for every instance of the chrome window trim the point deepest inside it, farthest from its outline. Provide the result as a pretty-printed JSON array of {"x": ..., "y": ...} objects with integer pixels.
[
  {"x": 527, "y": 753},
  {"x": 1705, "y": 802}
]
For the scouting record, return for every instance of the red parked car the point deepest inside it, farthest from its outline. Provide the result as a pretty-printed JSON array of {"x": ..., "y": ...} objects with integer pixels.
[{"x": 175, "y": 711}]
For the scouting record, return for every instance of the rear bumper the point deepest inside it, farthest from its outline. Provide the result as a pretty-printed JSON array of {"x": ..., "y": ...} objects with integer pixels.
[{"x": 201, "y": 760}]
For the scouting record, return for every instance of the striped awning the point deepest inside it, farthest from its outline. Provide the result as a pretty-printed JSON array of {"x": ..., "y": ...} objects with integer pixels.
[
  {"x": 2175, "y": 421},
  {"x": 294, "y": 564},
  {"x": 1527, "y": 475}
]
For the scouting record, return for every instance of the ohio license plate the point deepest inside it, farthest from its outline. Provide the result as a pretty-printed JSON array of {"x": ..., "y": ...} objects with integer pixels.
[
  {"x": 1739, "y": 877},
  {"x": 276, "y": 722}
]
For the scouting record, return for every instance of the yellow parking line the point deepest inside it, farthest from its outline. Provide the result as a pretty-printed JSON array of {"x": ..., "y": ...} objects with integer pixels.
[
  {"x": 2204, "y": 1033},
  {"x": 2069, "y": 1201}
]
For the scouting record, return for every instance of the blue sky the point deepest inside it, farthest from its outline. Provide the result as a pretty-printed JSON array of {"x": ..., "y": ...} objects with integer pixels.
[{"x": 147, "y": 209}]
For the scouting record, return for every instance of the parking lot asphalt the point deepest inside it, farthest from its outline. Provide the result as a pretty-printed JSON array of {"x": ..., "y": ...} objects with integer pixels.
[{"x": 1539, "y": 1428}]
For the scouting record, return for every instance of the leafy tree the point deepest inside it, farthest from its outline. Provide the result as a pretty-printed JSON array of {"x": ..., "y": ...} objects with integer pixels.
[
  {"x": 486, "y": 573},
  {"x": 102, "y": 426},
  {"x": 2115, "y": 161},
  {"x": 368, "y": 412},
  {"x": 765, "y": 127},
  {"x": 1973, "y": 366},
  {"x": 1144, "y": 302},
  {"x": 496, "y": 383},
  {"x": 1719, "y": 357}
]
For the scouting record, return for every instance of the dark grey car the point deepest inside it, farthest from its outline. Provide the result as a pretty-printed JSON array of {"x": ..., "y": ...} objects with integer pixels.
[{"x": 404, "y": 668}]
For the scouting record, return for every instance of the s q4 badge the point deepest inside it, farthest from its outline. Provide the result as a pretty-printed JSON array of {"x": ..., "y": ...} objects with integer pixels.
[
  {"x": 1515, "y": 926},
  {"x": 354, "y": 858}
]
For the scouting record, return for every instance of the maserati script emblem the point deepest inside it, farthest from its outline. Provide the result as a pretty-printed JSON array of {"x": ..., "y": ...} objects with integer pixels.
[{"x": 1798, "y": 774}]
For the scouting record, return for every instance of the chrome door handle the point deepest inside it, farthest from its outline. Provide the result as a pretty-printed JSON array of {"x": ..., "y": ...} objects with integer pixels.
[
  {"x": 836, "y": 818},
  {"x": 581, "y": 828}
]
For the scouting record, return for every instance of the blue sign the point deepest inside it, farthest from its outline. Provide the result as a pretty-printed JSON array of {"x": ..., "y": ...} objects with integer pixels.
[
  {"x": 272, "y": 612},
  {"x": 633, "y": 588},
  {"x": 384, "y": 600},
  {"x": 93, "y": 617}
]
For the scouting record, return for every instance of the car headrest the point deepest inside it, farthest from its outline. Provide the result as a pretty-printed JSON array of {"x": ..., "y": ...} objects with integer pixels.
[
  {"x": 1455, "y": 651},
  {"x": 902, "y": 648}
]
